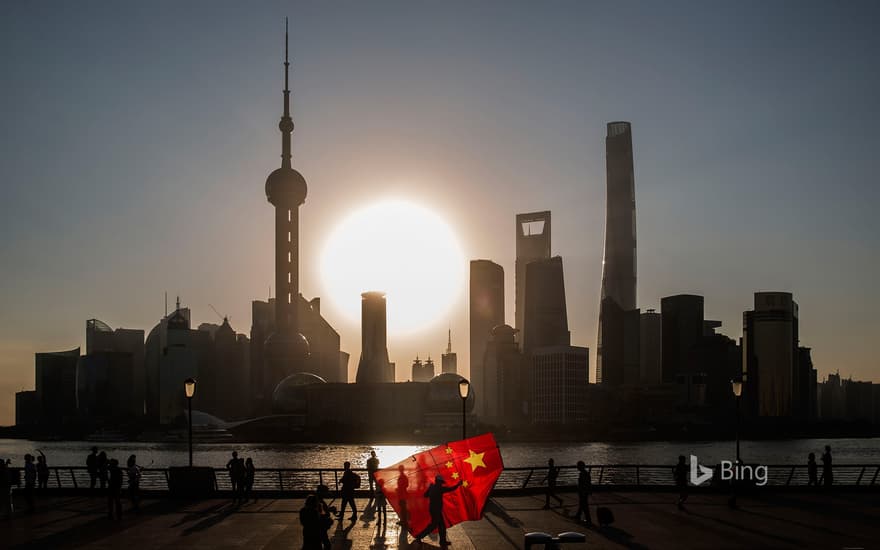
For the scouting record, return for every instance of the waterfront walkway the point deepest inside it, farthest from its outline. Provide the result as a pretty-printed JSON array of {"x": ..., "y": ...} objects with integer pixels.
[{"x": 643, "y": 520}]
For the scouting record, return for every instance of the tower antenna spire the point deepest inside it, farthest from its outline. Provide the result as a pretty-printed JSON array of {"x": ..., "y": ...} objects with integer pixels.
[
  {"x": 449, "y": 342},
  {"x": 286, "y": 124}
]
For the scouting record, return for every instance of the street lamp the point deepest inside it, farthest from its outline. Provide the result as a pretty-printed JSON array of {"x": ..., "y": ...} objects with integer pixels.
[
  {"x": 189, "y": 389},
  {"x": 464, "y": 388},
  {"x": 737, "y": 386}
]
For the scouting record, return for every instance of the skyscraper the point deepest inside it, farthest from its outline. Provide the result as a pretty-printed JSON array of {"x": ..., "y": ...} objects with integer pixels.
[
  {"x": 545, "y": 320},
  {"x": 449, "y": 360},
  {"x": 532, "y": 243},
  {"x": 486, "y": 311},
  {"x": 682, "y": 333},
  {"x": 559, "y": 384},
  {"x": 286, "y": 349},
  {"x": 374, "y": 365},
  {"x": 619, "y": 263}
]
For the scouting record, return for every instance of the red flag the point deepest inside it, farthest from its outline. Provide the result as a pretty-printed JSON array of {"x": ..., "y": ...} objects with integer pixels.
[{"x": 476, "y": 462}]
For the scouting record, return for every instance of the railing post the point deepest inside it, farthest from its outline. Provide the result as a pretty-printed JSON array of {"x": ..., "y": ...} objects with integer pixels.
[
  {"x": 57, "y": 477},
  {"x": 73, "y": 477},
  {"x": 638, "y": 480},
  {"x": 320, "y": 477},
  {"x": 873, "y": 479},
  {"x": 859, "y": 481},
  {"x": 528, "y": 478},
  {"x": 280, "y": 482},
  {"x": 601, "y": 473},
  {"x": 790, "y": 475}
]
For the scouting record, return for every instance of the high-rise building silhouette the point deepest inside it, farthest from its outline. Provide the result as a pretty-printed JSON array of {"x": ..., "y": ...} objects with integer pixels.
[
  {"x": 486, "y": 311},
  {"x": 449, "y": 360},
  {"x": 776, "y": 380},
  {"x": 505, "y": 380},
  {"x": 682, "y": 333},
  {"x": 286, "y": 350},
  {"x": 374, "y": 365},
  {"x": 545, "y": 319},
  {"x": 532, "y": 243},
  {"x": 650, "y": 346},
  {"x": 619, "y": 264},
  {"x": 560, "y": 375},
  {"x": 55, "y": 384}
]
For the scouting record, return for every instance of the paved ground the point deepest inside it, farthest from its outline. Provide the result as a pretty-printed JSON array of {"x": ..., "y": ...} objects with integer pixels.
[{"x": 643, "y": 520}]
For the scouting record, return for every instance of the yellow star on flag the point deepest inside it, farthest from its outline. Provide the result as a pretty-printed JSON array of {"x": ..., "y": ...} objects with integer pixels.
[
  {"x": 449, "y": 450},
  {"x": 450, "y": 464},
  {"x": 454, "y": 475},
  {"x": 475, "y": 460},
  {"x": 464, "y": 483}
]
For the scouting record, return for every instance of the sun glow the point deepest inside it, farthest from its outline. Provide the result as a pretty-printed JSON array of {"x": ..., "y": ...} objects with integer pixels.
[{"x": 402, "y": 249}]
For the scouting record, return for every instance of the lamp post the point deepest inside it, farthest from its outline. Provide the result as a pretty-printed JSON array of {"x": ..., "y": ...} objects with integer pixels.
[
  {"x": 189, "y": 388},
  {"x": 737, "y": 386},
  {"x": 464, "y": 388}
]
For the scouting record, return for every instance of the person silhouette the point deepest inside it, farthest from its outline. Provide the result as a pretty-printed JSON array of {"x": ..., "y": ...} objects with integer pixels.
[
  {"x": 434, "y": 494},
  {"x": 233, "y": 469},
  {"x": 92, "y": 467},
  {"x": 349, "y": 481},
  {"x": 42, "y": 471},
  {"x": 5, "y": 489},
  {"x": 249, "y": 474},
  {"x": 381, "y": 505},
  {"x": 585, "y": 486},
  {"x": 372, "y": 467},
  {"x": 827, "y": 474},
  {"x": 812, "y": 471},
  {"x": 402, "y": 496},
  {"x": 550, "y": 479},
  {"x": 134, "y": 482},
  {"x": 680, "y": 472},
  {"x": 30, "y": 480},
  {"x": 101, "y": 465},
  {"x": 114, "y": 492},
  {"x": 315, "y": 522}
]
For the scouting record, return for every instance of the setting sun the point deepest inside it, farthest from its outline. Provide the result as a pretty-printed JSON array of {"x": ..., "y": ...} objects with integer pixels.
[{"x": 402, "y": 249}]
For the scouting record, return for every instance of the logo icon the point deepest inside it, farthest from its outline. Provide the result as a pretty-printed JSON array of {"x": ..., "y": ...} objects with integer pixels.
[{"x": 704, "y": 475}]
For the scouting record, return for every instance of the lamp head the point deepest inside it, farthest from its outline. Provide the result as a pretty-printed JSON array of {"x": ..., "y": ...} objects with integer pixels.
[
  {"x": 189, "y": 387},
  {"x": 464, "y": 388}
]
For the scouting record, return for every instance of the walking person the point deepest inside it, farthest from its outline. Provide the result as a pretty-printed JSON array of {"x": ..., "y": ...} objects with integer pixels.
[
  {"x": 680, "y": 472},
  {"x": 42, "y": 471},
  {"x": 114, "y": 493},
  {"x": 92, "y": 467},
  {"x": 827, "y": 474},
  {"x": 350, "y": 481},
  {"x": 812, "y": 471},
  {"x": 402, "y": 497},
  {"x": 101, "y": 464},
  {"x": 134, "y": 482},
  {"x": 234, "y": 473},
  {"x": 434, "y": 494},
  {"x": 550, "y": 479},
  {"x": 249, "y": 474},
  {"x": 585, "y": 487},
  {"x": 372, "y": 468},
  {"x": 381, "y": 506},
  {"x": 30, "y": 481}
]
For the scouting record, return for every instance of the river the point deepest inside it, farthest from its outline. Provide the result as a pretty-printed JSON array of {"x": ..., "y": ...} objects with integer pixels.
[{"x": 792, "y": 451}]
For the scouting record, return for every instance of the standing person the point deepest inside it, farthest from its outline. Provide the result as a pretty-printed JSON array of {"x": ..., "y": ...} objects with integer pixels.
[
  {"x": 812, "y": 471},
  {"x": 680, "y": 472},
  {"x": 827, "y": 474},
  {"x": 434, "y": 494},
  {"x": 114, "y": 494},
  {"x": 42, "y": 471},
  {"x": 327, "y": 513},
  {"x": 550, "y": 478},
  {"x": 402, "y": 496},
  {"x": 381, "y": 505},
  {"x": 249, "y": 473},
  {"x": 350, "y": 481},
  {"x": 315, "y": 522},
  {"x": 102, "y": 465},
  {"x": 585, "y": 487},
  {"x": 232, "y": 468},
  {"x": 30, "y": 480},
  {"x": 372, "y": 467},
  {"x": 92, "y": 467},
  {"x": 134, "y": 482}
]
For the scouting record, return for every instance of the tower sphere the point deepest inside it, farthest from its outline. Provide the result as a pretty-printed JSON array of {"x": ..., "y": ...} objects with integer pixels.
[{"x": 286, "y": 187}]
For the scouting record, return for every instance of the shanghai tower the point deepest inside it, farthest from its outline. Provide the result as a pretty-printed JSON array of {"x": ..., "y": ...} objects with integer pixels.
[
  {"x": 286, "y": 349},
  {"x": 619, "y": 263}
]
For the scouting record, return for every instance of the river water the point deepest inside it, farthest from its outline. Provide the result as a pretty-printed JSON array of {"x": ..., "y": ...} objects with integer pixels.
[{"x": 793, "y": 451}]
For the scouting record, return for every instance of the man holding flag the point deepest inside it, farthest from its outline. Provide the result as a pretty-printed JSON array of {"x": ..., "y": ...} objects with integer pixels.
[{"x": 415, "y": 489}]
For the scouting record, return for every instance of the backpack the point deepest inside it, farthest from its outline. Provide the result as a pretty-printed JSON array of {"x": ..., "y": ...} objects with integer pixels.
[{"x": 357, "y": 480}]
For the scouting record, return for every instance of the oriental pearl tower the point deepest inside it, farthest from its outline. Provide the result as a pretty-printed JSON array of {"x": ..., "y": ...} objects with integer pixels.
[{"x": 286, "y": 349}]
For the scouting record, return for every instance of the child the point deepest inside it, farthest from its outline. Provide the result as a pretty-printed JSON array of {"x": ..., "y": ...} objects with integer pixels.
[{"x": 381, "y": 503}]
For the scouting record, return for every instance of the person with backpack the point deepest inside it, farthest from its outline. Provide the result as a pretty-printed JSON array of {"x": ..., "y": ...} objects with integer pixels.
[{"x": 350, "y": 481}]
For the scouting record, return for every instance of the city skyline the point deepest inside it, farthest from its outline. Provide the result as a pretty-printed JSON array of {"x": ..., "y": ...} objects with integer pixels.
[{"x": 205, "y": 244}]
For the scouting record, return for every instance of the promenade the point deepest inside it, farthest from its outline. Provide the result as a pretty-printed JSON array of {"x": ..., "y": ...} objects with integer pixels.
[{"x": 643, "y": 520}]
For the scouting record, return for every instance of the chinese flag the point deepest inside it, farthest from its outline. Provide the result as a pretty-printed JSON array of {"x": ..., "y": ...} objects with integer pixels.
[{"x": 476, "y": 462}]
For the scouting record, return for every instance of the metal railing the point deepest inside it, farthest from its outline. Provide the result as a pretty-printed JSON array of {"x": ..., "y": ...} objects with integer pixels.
[{"x": 512, "y": 480}]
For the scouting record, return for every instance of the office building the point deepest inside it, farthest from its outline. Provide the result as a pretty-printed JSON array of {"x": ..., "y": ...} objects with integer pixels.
[
  {"x": 55, "y": 384},
  {"x": 505, "y": 380},
  {"x": 101, "y": 338},
  {"x": 449, "y": 360},
  {"x": 374, "y": 366},
  {"x": 532, "y": 244},
  {"x": 545, "y": 319},
  {"x": 618, "y": 295},
  {"x": 650, "y": 348},
  {"x": 485, "y": 312},
  {"x": 559, "y": 381}
]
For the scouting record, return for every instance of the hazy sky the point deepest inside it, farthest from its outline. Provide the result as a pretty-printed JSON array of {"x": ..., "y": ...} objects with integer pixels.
[{"x": 136, "y": 139}]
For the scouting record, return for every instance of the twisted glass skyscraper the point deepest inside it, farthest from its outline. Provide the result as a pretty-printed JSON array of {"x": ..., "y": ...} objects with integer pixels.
[{"x": 619, "y": 263}]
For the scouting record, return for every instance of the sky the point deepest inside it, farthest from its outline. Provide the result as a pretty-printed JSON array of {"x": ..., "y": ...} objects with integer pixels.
[{"x": 137, "y": 136}]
